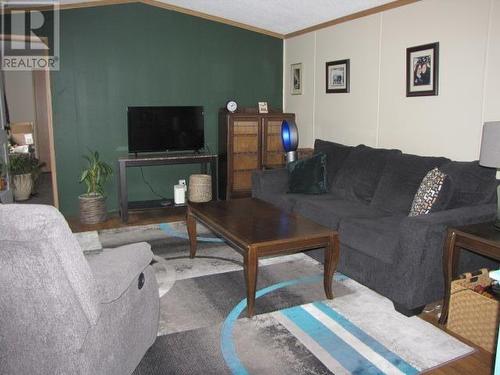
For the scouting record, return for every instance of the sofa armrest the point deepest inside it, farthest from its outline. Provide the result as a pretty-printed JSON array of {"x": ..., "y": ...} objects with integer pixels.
[
  {"x": 418, "y": 232},
  {"x": 456, "y": 217},
  {"x": 419, "y": 259},
  {"x": 269, "y": 181},
  {"x": 115, "y": 270}
]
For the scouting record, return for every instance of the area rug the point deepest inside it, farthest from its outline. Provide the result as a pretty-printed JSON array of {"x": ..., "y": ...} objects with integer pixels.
[{"x": 204, "y": 329}]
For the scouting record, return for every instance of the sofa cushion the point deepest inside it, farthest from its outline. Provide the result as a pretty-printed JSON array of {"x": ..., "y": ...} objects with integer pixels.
[
  {"x": 472, "y": 184},
  {"x": 360, "y": 173},
  {"x": 308, "y": 176},
  {"x": 378, "y": 238},
  {"x": 335, "y": 156},
  {"x": 329, "y": 212},
  {"x": 282, "y": 200},
  {"x": 400, "y": 181}
]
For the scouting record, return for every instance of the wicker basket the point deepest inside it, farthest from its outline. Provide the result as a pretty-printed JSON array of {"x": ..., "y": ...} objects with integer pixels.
[
  {"x": 92, "y": 209},
  {"x": 472, "y": 315},
  {"x": 200, "y": 188}
]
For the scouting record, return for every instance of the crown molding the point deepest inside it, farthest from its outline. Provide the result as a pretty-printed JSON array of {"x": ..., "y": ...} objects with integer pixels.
[
  {"x": 175, "y": 8},
  {"x": 350, "y": 17},
  {"x": 157, "y": 4}
]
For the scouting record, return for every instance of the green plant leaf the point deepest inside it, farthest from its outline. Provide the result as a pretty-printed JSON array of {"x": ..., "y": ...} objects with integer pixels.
[{"x": 96, "y": 173}]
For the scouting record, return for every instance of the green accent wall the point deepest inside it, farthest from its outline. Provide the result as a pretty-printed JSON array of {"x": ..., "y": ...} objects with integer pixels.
[{"x": 134, "y": 54}]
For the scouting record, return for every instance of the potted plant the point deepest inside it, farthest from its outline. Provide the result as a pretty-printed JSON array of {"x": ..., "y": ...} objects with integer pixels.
[
  {"x": 21, "y": 166},
  {"x": 36, "y": 171},
  {"x": 93, "y": 202}
]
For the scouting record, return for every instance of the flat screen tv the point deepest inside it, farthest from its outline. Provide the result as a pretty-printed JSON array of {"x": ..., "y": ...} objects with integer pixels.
[{"x": 161, "y": 129}]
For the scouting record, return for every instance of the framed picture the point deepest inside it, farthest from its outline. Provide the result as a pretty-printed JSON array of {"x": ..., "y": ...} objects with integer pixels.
[
  {"x": 296, "y": 79},
  {"x": 263, "y": 107},
  {"x": 337, "y": 76},
  {"x": 422, "y": 70}
]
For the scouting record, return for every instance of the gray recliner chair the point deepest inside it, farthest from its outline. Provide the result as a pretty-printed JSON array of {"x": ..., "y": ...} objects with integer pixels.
[{"x": 64, "y": 313}]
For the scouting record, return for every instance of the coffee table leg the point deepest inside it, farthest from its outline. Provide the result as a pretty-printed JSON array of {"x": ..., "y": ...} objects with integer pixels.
[
  {"x": 251, "y": 263},
  {"x": 332, "y": 251},
  {"x": 191, "y": 228}
]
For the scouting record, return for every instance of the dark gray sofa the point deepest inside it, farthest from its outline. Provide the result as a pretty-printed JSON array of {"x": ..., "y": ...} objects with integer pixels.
[{"x": 370, "y": 196}]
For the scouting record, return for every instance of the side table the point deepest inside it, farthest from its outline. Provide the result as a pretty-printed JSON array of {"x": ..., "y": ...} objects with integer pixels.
[{"x": 481, "y": 239}]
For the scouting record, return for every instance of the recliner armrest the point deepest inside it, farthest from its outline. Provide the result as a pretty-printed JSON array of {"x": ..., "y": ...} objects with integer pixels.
[
  {"x": 270, "y": 181},
  {"x": 117, "y": 269}
]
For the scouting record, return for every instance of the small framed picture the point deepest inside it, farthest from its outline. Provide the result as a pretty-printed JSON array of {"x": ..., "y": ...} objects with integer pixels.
[
  {"x": 337, "y": 76},
  {"x": 263, "y": 107},
  {"x": 296, "y": 79},
  {"x": 422, "y": 70}
]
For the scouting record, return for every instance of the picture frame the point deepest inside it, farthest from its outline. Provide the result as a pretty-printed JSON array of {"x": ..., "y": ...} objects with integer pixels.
[
  {"x": 296, "y": 79},
  {"x": 263, "y": 107},
  {"x": 422, "y": 70},
  {"x": 337, "y": 78}
]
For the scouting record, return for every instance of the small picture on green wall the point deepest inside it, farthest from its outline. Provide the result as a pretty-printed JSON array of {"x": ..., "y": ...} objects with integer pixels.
[{"x": 296, "y": 79}]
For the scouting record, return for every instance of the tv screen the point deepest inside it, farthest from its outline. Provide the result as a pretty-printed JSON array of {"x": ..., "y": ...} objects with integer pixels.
[{"x": 160, "y": 129}]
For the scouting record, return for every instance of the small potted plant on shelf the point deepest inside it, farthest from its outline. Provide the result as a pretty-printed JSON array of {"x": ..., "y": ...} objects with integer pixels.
[
  {"x": 93, "y": 202},
  {"x": 21, "y": 167}
]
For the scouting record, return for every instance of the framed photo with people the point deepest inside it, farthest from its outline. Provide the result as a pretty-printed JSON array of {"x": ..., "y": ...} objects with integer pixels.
[
  {"x": 422, "y": 70},
  {"x": 337, "y": 76}
]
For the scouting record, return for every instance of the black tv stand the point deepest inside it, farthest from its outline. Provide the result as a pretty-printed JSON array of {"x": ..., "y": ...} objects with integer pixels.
[{"x": 142, "y": 160}]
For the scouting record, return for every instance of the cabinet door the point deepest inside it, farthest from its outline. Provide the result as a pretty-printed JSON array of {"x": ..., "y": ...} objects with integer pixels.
[
  {"x": 273, "y": 154},
  {"x": 244, "y": 153}
]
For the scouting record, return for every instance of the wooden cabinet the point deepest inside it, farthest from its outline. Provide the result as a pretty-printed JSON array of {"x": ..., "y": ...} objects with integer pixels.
[{"x": 248, "y": 141}]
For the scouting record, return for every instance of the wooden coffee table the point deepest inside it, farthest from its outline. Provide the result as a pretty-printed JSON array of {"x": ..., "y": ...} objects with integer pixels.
[{"x": 256, "y": 228}]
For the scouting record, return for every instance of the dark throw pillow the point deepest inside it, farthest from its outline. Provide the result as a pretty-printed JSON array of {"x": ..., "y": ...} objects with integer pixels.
[
  {"x": 308, "y": 176},
  {"x": 433, "y": 194}
]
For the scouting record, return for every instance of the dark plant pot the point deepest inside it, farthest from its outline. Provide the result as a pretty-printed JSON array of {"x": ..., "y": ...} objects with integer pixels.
[{"x": 92, "y": 209}]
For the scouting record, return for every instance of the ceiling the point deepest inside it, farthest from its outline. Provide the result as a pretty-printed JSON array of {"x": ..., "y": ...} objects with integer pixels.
[{"x": 277, "y": 16}]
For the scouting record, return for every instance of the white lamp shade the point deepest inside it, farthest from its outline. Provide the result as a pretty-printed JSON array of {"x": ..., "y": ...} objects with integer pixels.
[{"x": 490, "y": 145}]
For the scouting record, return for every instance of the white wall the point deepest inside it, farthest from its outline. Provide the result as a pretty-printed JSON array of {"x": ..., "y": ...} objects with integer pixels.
[
  {"x": 492, "y": 81},
  {"x": 20, "y": 95},
  {"x": 377, "y": 112},
  {"x": 302, "y": 50}
]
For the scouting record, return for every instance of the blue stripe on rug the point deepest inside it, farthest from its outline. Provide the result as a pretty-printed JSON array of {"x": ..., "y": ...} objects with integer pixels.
[
  {"x": 226, "y": 341},
  {"x": 377, "y": 347},
  {"x": 168, "y": 229},
  {"x": 343, "y": 353}
]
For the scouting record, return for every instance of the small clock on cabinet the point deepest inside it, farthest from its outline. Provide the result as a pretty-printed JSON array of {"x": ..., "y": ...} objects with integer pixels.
[{"x": 231, "y": 106}]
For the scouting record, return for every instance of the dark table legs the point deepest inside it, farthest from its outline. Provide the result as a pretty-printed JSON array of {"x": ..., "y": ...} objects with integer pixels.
[
  {"x": 123, "y": 192},
  {"x": 331, "y": 260},
  {"x": 450, "y": 260},
  {"x": 251, "y": 262},
  {"x": 191, "y": 228}
]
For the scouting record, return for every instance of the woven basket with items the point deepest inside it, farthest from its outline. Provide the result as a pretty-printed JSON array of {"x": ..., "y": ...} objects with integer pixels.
[{"x": 474, "y": 309}]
